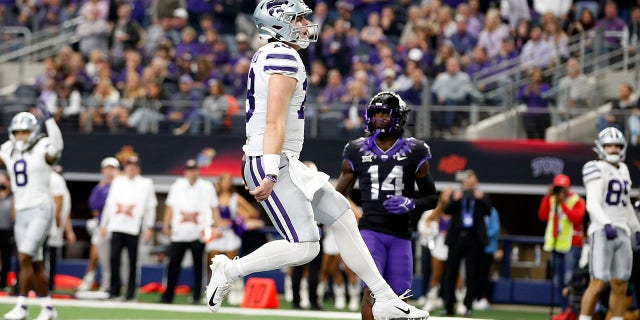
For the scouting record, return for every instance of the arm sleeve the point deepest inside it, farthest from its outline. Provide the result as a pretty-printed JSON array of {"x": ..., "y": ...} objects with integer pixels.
[
  {"x": 594, "y": 198},
  {"x": 543, "y": 209},
  {"x": 54, "y": 149},
  {"x": 493, "y": 228}
]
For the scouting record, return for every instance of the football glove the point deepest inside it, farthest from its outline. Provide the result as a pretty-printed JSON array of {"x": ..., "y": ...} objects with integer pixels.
[
  {"x": 399, "y": 204},
  {"x": 610, "y": 231}
]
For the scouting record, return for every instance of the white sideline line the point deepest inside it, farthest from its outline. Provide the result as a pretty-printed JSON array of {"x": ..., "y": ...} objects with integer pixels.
[{"x": 199, "y": 309}]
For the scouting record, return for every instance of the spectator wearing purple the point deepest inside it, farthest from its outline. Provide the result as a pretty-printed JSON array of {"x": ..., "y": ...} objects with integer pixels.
[
  {"x": 338, "y": 45},
  {"x": 334, "y": 89},
  {"x": 189, "y": 43},
  {"x": 476, "y": 17},
  {"x": 198, "y": 8},
  {"x": 534, "y": 95},
  {"x": 51, "y": 15},
  {"x": 236, "y": 80},
  {"x": 492, "y": 35},
  {"x": 7, "y": 10},
  {"x": 474, "y": 24},
  {"x": 125, "y": 36},
  {"x": 413, "y": 94},
  {"x": 611, "y": 23},
  {"x": 537, "y": 52},
  {"x": 462, "y": 41},
  {"x": 133, "y": 64},
  {"x": 479, "y": 62}
]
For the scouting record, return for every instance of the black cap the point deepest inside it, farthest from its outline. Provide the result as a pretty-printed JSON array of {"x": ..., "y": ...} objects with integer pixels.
[{"x": 191, "y": 164}]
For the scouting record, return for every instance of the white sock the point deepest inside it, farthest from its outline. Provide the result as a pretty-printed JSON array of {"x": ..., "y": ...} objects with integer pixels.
[
  {"x": 616, "y": 318},
  {"x": 356, "y": 255},
  {"x": 584, "y": 317},
  {"x": 45, "y": 302},
  {"x": 22, "y": 301},
  {"x": 271, "y": 256}
]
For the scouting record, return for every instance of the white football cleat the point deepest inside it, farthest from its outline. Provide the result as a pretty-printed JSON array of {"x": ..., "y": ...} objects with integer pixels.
[
  {"x": 219, "y": 286},
  {"x": 387, "y": 308},
  {"x": 47, "y": 314},
  {"x": 17, "y": 313}
]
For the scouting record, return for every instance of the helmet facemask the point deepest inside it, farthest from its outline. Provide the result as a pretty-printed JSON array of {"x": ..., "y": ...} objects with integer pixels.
[
  {"x": 277, "y": 19},
  {"x": 610, "y": 136},
  {"x": 24, "y": 121},
  {"x": 391, "y": 104}
]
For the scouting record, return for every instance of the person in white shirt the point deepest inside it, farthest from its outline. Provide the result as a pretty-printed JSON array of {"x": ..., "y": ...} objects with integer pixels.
[
  {"x": 614, "y": 225},
  {"x": 62, "y": 207},
  {"x": 292, "y": 194},
  {"x": 129, "y": 210},
  {"x": 28, "y": 157},
  {"x": 190, "y": 207},
  {"x": 100, "y": 250}
]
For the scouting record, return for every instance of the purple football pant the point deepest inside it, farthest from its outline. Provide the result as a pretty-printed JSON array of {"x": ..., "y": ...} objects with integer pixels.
[{"x": 393, "y": 257}]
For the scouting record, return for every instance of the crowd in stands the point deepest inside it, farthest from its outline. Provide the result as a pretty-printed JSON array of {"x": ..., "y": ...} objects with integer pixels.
[{"x": 182, "y": 68}]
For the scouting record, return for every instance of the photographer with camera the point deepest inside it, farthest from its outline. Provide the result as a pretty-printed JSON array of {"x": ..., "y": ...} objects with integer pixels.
[
  {"x": 466, "y": 238},
  {"x": 563, "y": 211}
]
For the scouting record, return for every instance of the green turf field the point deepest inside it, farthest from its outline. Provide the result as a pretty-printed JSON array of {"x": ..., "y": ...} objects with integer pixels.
[{"x": 103, "y": 310}]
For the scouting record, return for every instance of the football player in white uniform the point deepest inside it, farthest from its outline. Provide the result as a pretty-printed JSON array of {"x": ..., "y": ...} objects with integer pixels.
[
  {"x": 613, "y": 222},
  {"x": 28, "y": 157},
  {"x": 292, "y": 194}
]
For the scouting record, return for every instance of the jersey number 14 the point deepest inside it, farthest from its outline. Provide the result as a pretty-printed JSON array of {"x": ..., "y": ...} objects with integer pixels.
[{"x": 392, "y": 182}]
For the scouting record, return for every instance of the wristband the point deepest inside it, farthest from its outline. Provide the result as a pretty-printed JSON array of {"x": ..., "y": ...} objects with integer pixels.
[
  {"x": 270, "y": 163},
  {"x": 272, "y": 178}
]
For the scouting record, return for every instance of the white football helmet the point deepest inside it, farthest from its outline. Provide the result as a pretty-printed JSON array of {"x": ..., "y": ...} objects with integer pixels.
[
  {"x": 276, "y": 19},
  {"x": 608, "y": 136},
  {"x": 24, "y": 121}
]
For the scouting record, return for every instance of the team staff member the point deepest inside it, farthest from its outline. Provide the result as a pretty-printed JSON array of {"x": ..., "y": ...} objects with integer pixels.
[
  {"x": 189, "y": 210},
  {"x": 62, "y": 207},
  {"x": 130, "y": 208}
]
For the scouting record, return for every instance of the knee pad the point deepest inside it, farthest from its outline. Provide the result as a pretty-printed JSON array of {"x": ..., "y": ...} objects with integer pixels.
[{"x": 304, "y": 251}]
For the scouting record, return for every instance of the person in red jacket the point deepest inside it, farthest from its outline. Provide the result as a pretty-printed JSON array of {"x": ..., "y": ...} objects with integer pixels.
[{"x": 563, "y": 211}]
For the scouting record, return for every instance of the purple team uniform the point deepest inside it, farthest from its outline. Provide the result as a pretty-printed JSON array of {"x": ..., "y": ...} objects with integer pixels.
[{"x": 382, "y": 174}]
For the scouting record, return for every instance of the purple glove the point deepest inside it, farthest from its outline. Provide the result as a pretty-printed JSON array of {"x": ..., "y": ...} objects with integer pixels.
[
  {"x": 610, "y": 231},
  {"x": 399, "y": 204},
  {"x": 44, "y": 110},
  {"x": 637, "y": 240}
]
